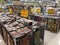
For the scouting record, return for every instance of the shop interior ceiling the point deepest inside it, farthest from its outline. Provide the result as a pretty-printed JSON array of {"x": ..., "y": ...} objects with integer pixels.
[
  {"x": 30, "y": 1},
  {"x": 7, "y": 2}
]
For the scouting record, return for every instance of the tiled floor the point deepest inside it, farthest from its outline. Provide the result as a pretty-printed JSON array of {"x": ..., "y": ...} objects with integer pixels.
[
  {"x": 50, "y": 39},
  {"x": 55, "y": 40}
]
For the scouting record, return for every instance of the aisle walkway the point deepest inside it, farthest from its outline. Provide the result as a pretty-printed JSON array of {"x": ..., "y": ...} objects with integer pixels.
[
  {"x": 55, "y": 40},
  {"x": 48, "y": 37}
]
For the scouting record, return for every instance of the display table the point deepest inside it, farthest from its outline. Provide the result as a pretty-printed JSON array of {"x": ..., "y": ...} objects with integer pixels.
[
  {"x": 16, "y": 33},
  {"x": 53, "y": 23}
]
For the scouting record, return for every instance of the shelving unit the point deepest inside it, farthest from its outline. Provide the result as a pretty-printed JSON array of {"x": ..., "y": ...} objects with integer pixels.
[{"x": 35, "y": 16}]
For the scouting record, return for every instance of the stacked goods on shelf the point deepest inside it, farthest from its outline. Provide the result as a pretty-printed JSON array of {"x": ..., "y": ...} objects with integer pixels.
[
  {"x": 52, "y": 19},
  {"x": 26, "y": 39},
  {"x": 39, "y": 18},
  {"x": 27, "y": 22},
  {"x": 4, "y": 20},
  {"x": 53, "y": 24},
  {"x": 15, "y": 33},
  {"x": 20, "y": 38},
  {"x": 37, "y": 31},
  {"x": 36, "y": 17},
  {"x": 11, "y": 34}
]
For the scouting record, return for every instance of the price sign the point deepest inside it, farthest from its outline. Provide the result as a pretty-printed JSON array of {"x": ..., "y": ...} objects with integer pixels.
[
  {"x": 51, "y": 11},
  {"x": 32, "y": 9},
  {"x": 10, "y": 11},
  {"x": 38, "y": 10},
  {"x": 24, "y": 13}
]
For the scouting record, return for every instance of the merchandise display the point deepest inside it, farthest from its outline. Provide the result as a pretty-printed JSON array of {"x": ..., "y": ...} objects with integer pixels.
[
  {"x": 53, "y": 23},
  {"x": 15, "y": 32},
  {"x": 27, "y": 22},
  {"x": 35, "y": 17}
]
